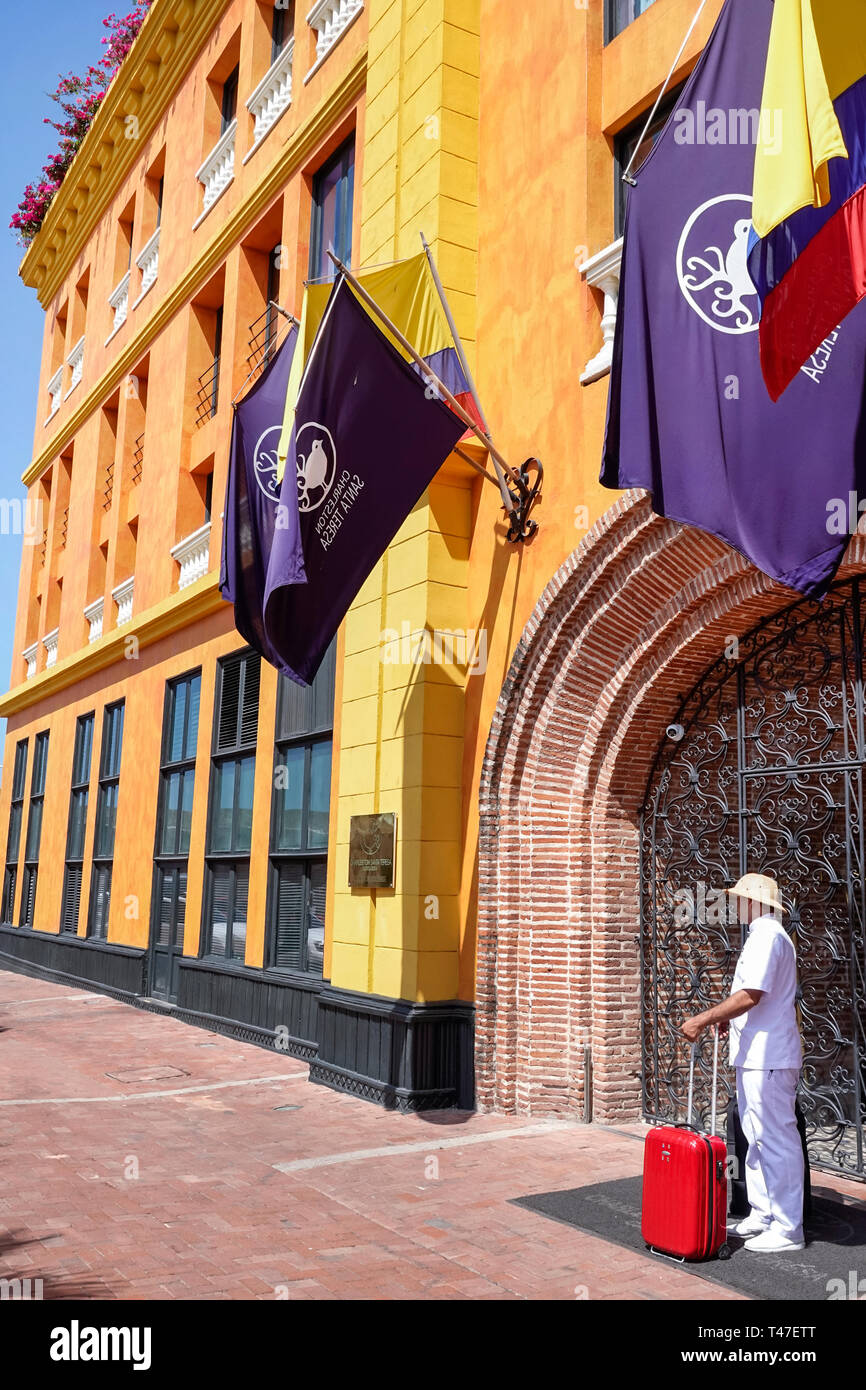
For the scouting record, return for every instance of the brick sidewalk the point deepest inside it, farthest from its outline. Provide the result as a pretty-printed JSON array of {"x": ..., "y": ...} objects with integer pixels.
[{"x": 141, "y": 1164}]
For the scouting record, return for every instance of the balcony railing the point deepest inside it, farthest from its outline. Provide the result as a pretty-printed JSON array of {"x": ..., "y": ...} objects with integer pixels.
[
  {"x": 49, "y": 642},
  {"x": 272, "y": 96},
  {"x": 263, "y": 337},
  {"x": 207, "y": 395},
  {"x": 193, "y": 556},
  {"x": 137, "y": 460},
  {"x": 55, "y": 388},
  {"x": 94, "y": 613},
  {"x": 148, "y": 263},
  {"x": 31, "y": 655},
  {"x": 218, "y": 170},
  {"x": 119, "y": 302},
  {"x": 122, "y": 596},
  {"x": 43, "y": 546},
  {"x": 108, "y": 490},
  {"x": 75, "y": 361},
  {"x": 64, "y": 527},
  {"x": 331, "y": 19}
]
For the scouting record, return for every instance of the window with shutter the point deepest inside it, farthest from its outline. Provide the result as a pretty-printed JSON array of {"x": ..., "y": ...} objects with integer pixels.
[
  {"x": 34, "y": 830},
  {"x": 230, "y": 810},
  {"x": 13, "y": 838},
  {"x": 106, "y": 820},
  {"x": 79, "y": 797},
  {"x": 173, "y": 828},
  {"x": 299, "y": 821}
]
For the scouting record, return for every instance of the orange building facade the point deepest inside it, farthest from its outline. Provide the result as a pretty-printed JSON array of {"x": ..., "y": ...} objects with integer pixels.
[{"x": 504, "y": 967}]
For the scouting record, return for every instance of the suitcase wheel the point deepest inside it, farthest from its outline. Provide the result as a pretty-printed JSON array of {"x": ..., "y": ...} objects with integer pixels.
[{"x": 724, "y": 1252}]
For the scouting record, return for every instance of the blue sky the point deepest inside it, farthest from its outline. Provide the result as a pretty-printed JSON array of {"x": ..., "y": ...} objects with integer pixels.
[{"x": 66, "y": 38}]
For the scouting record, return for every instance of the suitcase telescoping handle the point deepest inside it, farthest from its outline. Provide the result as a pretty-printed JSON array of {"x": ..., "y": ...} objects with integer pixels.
[{"x": 694, "y": 1052}]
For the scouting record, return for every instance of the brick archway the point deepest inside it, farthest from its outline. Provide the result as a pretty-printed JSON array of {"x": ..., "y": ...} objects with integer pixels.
[{"x": 621, "y": 634}]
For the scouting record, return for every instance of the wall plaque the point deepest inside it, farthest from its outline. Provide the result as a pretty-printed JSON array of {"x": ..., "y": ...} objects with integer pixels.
[{"x": 372, "y": 846}]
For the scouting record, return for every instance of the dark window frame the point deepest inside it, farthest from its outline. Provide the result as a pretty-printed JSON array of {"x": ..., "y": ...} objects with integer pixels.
[
  {"x": 13, "y": 835},
  {"x": 229, "y": 99},
  {"x": 102, "y": 865},
  {"x": 173, "y": 863},
  {"x": 236, "y": 859},
  {"x": 344, "y": 160},
  {"x": 612, "y": 25},
  {"x": 627, "y": 140},
  {"x": 79, "y": 794},
  {"x": 315, "y": 733},
  {"x": 33, "y": 836},
  {"x": 281, "y": 32}
]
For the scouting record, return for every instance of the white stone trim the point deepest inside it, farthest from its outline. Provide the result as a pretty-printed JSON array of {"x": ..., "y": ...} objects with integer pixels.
[
  {"x": 218, "y": 170},
  {"x": 122, "y": 596},
  {"x": 30, "y": 655},
  {"x": 95, "y": 613},
  {"x": 75, "y": 361},
  {"x": 119, "y": 301},
  {"x": 272, "y": 97},
  {"x": 54, "y": 388},
  {"x": 602, "y": 272},
  {"x": 49, "y": 642},
  {"x": 331, "y": 19},
  {"x": 147, "y": 261},
  {"x": 193, "y": 556}
]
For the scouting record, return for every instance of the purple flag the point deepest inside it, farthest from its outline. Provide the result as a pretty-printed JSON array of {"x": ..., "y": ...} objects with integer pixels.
[
  {"x": 689, "y": 417},
  {"x": 252, "y": 510},
  {"x": 369, "y": 437}
]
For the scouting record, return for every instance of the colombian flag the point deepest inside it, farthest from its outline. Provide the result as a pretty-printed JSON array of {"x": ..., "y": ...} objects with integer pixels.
[
  {"x": 807, "y": 254},
  {"x": 407, "y": 294}
]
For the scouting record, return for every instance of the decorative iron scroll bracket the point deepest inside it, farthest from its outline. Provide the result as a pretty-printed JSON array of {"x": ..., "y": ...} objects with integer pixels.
[{"x": 529, "y": 482}]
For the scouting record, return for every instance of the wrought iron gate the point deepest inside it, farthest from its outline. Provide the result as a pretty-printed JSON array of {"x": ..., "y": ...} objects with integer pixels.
[{"x": 764, "y": 772}]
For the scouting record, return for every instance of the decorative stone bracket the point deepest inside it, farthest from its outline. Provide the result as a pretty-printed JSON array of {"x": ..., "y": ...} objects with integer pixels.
[{"x": 602, "y": 273}]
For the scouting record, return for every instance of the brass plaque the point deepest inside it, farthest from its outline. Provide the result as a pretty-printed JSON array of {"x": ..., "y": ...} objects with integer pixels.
[{"x": 372, "y": 846}]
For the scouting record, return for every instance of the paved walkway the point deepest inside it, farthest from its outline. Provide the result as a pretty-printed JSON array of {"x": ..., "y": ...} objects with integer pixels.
[{"x": 143, "y": 1158}]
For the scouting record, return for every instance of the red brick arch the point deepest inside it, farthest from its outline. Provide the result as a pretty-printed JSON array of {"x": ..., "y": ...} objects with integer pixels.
[{"x": 620, "y": 636}]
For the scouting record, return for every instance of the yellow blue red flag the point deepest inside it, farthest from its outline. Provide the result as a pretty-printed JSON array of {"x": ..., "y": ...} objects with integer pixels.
[
  {"x": 807, "y": 254},
  {"x": 406, "y": 293}
]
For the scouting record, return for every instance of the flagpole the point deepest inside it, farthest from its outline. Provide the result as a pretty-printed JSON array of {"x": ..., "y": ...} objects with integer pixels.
[
  {"x": 429, "y": 374},
  {"x": 458, "y": 344}
]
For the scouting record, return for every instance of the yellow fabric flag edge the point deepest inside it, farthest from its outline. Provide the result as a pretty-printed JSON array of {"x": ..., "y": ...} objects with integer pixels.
[{"x": 795, "y": 87}]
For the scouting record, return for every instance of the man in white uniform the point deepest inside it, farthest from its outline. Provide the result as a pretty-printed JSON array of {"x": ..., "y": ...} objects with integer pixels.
[{"x": 766, "y": 1051}]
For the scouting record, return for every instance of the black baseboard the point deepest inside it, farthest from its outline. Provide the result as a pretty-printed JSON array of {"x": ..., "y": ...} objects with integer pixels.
[
  {"x": 405, "y": 1057},
  {"x": 87, "y": 964}
]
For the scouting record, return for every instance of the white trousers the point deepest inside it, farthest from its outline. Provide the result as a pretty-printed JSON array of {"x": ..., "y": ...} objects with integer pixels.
[{"x": 774, "y": 1164}]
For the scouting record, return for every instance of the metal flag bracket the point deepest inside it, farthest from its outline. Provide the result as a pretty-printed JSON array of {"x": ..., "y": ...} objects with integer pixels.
[{"x": 530, "y": 480}]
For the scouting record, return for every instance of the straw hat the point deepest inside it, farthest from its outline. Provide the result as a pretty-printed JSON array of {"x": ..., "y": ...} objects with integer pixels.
[{"x": 758, "y": 888}]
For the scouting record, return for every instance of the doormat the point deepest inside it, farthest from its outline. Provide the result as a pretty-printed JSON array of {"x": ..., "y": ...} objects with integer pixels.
[{"x": 832, "y": 1264}]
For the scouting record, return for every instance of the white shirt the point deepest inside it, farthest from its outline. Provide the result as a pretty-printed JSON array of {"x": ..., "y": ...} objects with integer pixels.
[{"x": 767, "y": 1036}]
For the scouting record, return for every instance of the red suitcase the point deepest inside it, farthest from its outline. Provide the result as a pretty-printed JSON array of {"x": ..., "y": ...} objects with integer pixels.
[{"x": 685, "y": 1185}]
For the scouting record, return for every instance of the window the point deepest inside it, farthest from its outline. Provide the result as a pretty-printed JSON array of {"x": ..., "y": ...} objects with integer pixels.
[
  {"x": 229, "y": 100},
  {"x": 34, "y": 831},
  {"x": 106, "y": 821},
  {"x": 299, "y": 821},
  {"x": 629, "y": 141},
  {"x": 13, "y": 840},
  {"x": 333, "y": 188},
  {"x": 283, "y": 26},
  {"x": 159, "y": 196},
  {"x": 173, "y": 825},
  {"x": 620, "y": 13},
  {"x": 273, "y": 293},
  {"x": 79, "y": 797},
  {"x": 230, "y": 821}
]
